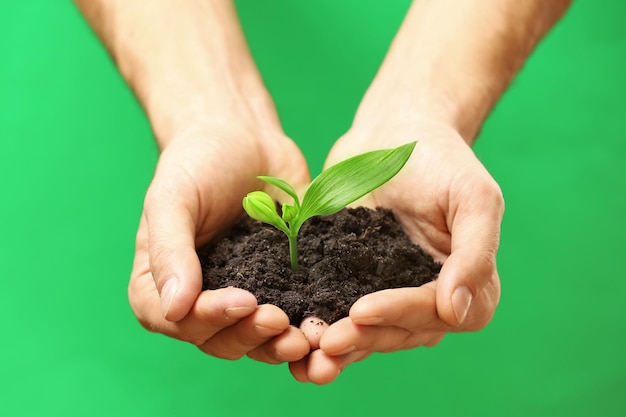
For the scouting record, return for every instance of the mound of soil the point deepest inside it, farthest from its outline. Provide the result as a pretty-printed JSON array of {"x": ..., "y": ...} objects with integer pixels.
[{"x": 342, "y": 257}]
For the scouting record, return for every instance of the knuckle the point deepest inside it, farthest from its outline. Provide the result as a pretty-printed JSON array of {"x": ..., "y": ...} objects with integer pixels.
[
  {"x": 483, "y": 268},
  {"x": 485, "y": 308},
  {"x": 480, "y": 321},
  {"x": 486, "y": 259},
  {"x": 153, "y": 195},
  {"x": 434, "y": 340},
  {"x": 490, "y": 191},
  {"x": 158, "y": 256},
  {"x": 150, "y": 326},
  {"x": 137, "y": 305},
  {"x": 222, "y": 353},
  {"x": 146, "y": 322},
  {"x": 195, "y": 340},
  {"x": 133, "y": 295}
]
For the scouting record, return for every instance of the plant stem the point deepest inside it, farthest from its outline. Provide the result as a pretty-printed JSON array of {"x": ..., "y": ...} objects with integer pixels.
[{"x": 293, "y": 250}]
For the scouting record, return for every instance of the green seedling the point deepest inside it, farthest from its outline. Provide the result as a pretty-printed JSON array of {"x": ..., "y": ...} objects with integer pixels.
[{"x": 332, "y": 190}]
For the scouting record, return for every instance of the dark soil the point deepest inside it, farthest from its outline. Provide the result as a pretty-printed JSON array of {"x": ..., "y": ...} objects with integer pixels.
[{"x": 342, "y": 257}]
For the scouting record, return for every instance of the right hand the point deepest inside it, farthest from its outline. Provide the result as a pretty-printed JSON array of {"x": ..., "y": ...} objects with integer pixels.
[
  {"x": 447, "y": 203},
  {"x": 200, "y": 180}
]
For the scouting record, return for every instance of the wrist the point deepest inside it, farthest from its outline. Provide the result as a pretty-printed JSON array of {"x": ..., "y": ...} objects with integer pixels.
[
  {"x": 451, "y": 61},
  {"x": 199, "y": 112},
  {"x": 189, "y": 66},
  {"x": 429, "y": 93},
  {"x": 210, "y": 88},
  {"x": 389, "y": 110}
]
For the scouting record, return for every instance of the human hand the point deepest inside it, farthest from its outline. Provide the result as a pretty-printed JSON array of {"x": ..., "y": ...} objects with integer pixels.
[
  {"x": 201, "y": 178},
  {"x": 448, "y": 204}
]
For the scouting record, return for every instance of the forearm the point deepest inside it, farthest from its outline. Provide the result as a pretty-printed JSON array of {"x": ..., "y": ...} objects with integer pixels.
[
  {"x": 187, "y": 61},
  {"x": 452, "y": 60}
]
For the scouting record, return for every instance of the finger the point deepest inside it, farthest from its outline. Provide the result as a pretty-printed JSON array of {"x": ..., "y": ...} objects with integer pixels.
[
  {"x": 237, "y": 340},
  {"x": 289, "y": 346},
  {"x": 313, "y": 328},
  {"x": 298, "y": 370},
  {"x": 213, "y": 311},
  {"x": 470, "y": 268},
  {"x": 321, "y": 369},
  {"x": 470, "y": 290},
  {"x": 409, "y": 308},
  {"x": 171, "y": 243},
  {"x": 346, "y": 337}
]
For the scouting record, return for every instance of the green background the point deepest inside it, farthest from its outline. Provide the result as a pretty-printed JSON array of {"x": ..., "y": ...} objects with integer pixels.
[{"x": 76, "y": 155}]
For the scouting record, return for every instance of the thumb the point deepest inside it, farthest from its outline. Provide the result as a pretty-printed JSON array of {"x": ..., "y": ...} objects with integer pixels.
[
  {"x": 468, "y": 287},
  {"x": 174, "y": 263}
]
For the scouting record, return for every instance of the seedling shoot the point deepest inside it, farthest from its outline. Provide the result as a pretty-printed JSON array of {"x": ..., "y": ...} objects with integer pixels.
[{"x": 329, "y": 192}]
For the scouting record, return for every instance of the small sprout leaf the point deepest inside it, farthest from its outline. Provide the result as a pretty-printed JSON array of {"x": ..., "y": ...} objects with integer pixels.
[
  {"x": 261, "y": 207},
  {"x": 289, "y": 212},
  {"x": 283, "y": 185},
  {"x": 347, "y": 181}
]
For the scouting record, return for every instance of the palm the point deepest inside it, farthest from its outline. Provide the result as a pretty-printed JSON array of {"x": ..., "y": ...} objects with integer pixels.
[
  {"x": 219, "y": 173},
  {"x": 420, "y": 194}
]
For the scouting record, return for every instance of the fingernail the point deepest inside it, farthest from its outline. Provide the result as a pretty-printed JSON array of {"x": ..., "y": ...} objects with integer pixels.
[
  {"x": 168, "y": 292},
  {"x": 369, "y": 321},
  {"x": 461, "y": 301},
  {"x": 238, "y": 312}
]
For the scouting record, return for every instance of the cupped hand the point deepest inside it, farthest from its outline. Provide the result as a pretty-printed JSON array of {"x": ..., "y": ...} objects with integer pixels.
[
  {"x": 200, "y": 181},
  {"x": 448, "y": 204}
]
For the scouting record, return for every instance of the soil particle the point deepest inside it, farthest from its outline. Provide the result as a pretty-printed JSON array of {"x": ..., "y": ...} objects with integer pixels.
[{"x": 342, "y": 257}]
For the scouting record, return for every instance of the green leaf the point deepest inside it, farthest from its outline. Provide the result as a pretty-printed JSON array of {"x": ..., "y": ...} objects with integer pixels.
[
  {"x": 347, "y": 181},
  {"x": 331, "y": 191},
  {"x": 289, "y": 212},
  {"x": 261, "y": 207},
  {"x": 283, "y": 185}
]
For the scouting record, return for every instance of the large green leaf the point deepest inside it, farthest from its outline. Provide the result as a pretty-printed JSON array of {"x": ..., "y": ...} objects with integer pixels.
[{"x": 347, "y": 181}]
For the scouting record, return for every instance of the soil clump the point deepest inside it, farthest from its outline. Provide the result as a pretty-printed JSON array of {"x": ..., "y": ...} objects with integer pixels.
[{"x": 342, "y": 257}]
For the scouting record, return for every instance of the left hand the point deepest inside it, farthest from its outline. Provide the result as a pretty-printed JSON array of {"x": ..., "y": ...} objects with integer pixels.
[
  {"x": 201, "y": 178},
  {"x": 449, "y": 205}
]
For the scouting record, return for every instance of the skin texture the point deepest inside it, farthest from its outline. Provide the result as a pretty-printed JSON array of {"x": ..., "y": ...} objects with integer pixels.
[{"x": 190, "y": 68}]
